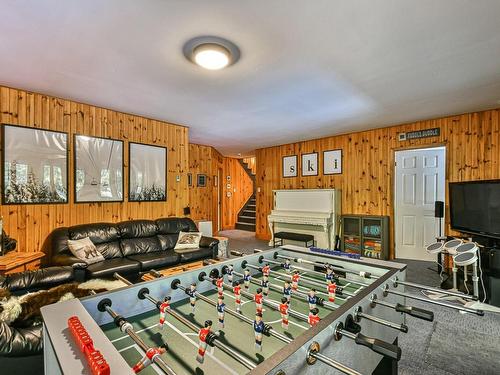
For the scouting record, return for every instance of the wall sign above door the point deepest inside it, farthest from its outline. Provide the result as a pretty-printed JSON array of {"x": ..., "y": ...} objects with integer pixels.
[{"x": 434, "y": 132}]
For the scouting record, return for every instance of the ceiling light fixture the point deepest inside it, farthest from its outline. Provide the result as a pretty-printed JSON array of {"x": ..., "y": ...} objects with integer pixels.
[{"x": 211, "y": 52}]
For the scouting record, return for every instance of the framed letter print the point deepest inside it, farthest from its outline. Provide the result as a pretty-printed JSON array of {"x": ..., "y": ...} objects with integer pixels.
[
  {"x": 332, "y": 162},
  {"x": 147, "y": 173},
  {"x": 310, "y": 164},
  {"x": 290, "y": 166},
  {"x": 98, "y": 169},
  {"x": 202, "y": 180},
  {"x": 34, "y": 166}
]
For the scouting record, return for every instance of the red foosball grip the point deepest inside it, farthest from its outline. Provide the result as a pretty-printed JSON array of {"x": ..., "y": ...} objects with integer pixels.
[{"x": 95, "y": 360}]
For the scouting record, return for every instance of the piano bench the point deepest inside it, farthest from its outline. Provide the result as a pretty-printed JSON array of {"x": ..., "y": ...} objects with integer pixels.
[{"x": 306, "y": 238}]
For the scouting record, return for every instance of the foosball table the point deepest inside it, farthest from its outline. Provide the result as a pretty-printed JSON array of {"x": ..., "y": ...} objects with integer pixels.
[{"x": 282, "y": 311}]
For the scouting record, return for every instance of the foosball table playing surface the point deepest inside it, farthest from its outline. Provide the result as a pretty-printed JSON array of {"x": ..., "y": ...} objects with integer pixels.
[{"x": 299, "y": 312}]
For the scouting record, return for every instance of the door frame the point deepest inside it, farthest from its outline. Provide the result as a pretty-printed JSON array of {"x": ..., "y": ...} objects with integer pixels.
[{"x": 394, "y": 189}]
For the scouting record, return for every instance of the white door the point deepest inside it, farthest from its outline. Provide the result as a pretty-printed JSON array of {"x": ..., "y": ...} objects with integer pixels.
[{"x": 420, "y": 181}]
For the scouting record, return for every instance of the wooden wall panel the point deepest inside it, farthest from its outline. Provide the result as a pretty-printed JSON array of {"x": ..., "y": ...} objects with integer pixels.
[
  {"x": 30, "y": 224},
  {"x": 241, "y": 188},
  {"x": 472, "y": 151},
  {"x": 200, "y": 198}
]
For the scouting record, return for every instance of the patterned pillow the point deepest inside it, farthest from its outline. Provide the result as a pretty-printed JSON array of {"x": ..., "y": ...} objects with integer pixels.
[
  {"x": 188, "y": 240},
  {"x": 85, "y": 250}
]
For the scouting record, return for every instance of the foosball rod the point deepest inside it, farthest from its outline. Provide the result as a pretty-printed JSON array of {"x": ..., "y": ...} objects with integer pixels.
[
  {"x": 176, "y": 284},
  {"x": 396, "y": 281},
  {"x": 309, "y": 270},
  {"x": 378, "y": 346},
  {"x": 358, "y": 314},
  {"x": 386, "y": 290},
  {"x": 320, "y": 357},
  {"x": 305, "y": 280},
  {"x": 366, "y": 275},
  {"x": 265, "y": 301},
  {"x": 126, "y": 327},
  {"x": 276, "y": 288},
  {"x": 313, "y": 354},
  {"x": 416, "y": 312},
  {"x": 144, "y": 294},
  {"x": 324, "y": 303}
]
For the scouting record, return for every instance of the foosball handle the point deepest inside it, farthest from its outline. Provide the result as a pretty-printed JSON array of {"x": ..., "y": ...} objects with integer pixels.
[
  {"x": 379, "y": 346},
  {"x": 415, "y": 312}
]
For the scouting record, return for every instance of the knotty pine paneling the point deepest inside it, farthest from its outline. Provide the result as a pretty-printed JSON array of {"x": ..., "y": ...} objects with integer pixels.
[
  {"x": 241, "y": 188},
  {"x": 30, "y": 224},
  {"x": 203, "y": 200},
  {"x": 472, "y": 153}
]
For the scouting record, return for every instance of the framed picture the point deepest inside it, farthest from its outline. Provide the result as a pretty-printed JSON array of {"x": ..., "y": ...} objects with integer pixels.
[
  {"x": 290, "y": 166},
  {"x": 190, "y": 179},
  {"x": 332, "y": 162},
  {"x": 202, "y": 180},
  {"x": 310, "y": 164},
  {"x": 34, "y": 165},
  {"x": 147, "y": 173},
  {"x": 98, "y": 169}
]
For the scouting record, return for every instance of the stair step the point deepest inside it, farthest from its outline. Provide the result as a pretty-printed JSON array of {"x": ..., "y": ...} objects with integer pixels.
[
  {"x": 246, "y": 219},
  {"x": 248, "y": 211},
  {"x": 251, "y": 205},
  {"x": 245, "y": 226}
]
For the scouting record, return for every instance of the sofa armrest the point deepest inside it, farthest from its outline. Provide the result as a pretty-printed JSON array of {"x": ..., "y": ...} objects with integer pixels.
[
  {"x": 208, "y": 241},
  {"x": 16, "y": 342},
  {"x": 68, "y": 260}
]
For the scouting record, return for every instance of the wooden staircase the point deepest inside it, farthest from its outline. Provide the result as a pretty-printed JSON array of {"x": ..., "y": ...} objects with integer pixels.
[{"x": 246, "y": 216}]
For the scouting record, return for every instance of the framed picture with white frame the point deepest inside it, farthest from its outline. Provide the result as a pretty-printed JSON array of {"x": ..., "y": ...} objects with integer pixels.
[
  {"x": 309, "y": 165},
  {"x": 332, "y": 162},
  {"x": 290, "y": 166}
]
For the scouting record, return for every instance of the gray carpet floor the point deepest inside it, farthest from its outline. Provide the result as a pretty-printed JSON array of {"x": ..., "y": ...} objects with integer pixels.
[{"x": 454, "y": 344}]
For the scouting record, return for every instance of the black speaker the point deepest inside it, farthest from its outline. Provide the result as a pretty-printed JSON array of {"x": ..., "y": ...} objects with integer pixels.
[
  {"x": 187, "y": 210},
  {"x": 438, "y": 209}
]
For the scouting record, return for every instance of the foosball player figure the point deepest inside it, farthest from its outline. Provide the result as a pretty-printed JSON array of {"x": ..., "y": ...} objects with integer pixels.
[
  {"x": 330, "y": 275},
  {"x": 284, "y": 312},
  {"x": 237, "y": 295},
  {"x": 191, "y": 292},
  {"x": 221, "y": 307},
  {"x": 258, "y": 328},
  {"x": 165, "y": 305},
  {"x": 149, "y": 358},
  {"x": 229, "y": 273},
  {"x": 331, "y": 288},
  {"x": 264, "y": 283},
  {"x": 258, "y": 300},
  {"x": 286, "y": 265},
  {"x": 313, "y": 317},
  {"x": 287, "y": 291},
  {"x": 202, "y": 344},
  {"x": 295, "y": 279},
  {"x": 312, "y": 299},
  {"x": 246, "y": 278},
  {"x": 219, "y": 284},
  {"x": 266, "y": 270}
]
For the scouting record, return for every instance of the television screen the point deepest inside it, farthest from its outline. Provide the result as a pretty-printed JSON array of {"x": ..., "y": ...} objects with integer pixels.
[{"x": 475, "y": 207}]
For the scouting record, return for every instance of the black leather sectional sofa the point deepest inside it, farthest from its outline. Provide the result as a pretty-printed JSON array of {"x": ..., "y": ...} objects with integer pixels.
[{"x": 128, "y": 247}]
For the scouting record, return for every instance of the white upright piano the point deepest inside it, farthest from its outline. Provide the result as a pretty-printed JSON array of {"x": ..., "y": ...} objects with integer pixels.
[{"x": 307, "y": 211}]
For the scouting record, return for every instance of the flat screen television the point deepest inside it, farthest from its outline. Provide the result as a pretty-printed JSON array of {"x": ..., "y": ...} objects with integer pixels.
[{"x": 475, "y": 207}]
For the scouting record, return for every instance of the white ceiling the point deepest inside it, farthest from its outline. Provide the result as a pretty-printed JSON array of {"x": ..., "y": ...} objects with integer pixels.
[{"x": 309, "y": 68}]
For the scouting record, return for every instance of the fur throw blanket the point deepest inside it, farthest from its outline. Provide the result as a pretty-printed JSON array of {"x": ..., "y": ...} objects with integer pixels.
[{"x": 23, "y": 311}]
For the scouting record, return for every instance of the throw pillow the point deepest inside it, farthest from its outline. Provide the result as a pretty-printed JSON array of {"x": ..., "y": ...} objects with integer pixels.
[
  {"x": 85, "y": 250},
  {"x": 188, "y": 240}
]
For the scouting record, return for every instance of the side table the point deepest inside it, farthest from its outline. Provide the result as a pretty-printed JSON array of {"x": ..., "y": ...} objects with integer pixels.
[
  {"x": 19, "y": 261},
  {"x": 223, "y": 251}
]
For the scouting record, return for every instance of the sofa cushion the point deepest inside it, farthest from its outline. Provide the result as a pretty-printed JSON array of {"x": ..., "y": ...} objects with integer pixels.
[
  {"x": 36, "y": 279},
  {"x": 98, "y": 233},
  {"x": 156, "y": 260},
  {"x": 133, "y": 246},
  {"x": 174, "y": 225},
  {"x": 190, "y": 255},
  {"x": 109, "y": 266},
  {"x": 138, "y": 228},
  {"x": 110, "y": 250},
  {"x": 167, "y": 241}
]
